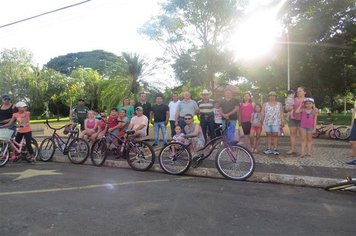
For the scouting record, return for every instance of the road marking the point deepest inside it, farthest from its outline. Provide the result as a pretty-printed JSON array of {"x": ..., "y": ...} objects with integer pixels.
[
  {"x": 91, "y": 186},
  {"x": 32, "y": 173}
]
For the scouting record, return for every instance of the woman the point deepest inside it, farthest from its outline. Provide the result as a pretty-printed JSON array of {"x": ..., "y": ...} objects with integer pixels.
[
  {"x": 294, "y": 118},
  {"x": 6, "y": 111},
  {"x": 128, "y": 108},
  {"x": 353, "y": 137},
  {"x": 246, "y": 110},
  {"x": 272, "y": 116}
]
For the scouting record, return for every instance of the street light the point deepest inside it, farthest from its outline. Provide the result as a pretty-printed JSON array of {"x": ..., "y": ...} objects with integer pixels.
[{"x": 288, "y": 62}]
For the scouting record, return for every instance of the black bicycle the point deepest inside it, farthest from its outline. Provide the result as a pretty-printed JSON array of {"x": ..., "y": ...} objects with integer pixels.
[
  {"x": 233, "y": 161},
  {"x": 77, "y": 149},
  {"x": 139, "y": 154}
]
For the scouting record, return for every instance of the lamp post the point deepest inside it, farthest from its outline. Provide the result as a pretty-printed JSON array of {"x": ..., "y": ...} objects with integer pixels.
[{"x": 288, "y": 62}]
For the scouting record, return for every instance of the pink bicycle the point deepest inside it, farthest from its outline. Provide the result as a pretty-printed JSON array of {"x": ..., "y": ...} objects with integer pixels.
[{"x": 7, "y": 143}]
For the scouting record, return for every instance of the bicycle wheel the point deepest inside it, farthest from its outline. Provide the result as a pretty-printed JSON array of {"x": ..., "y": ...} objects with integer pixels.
[
  {"x": 140, "y": 155},
  {"x": 235, "y": 162},
  {"x": 78, "y": 151},
  {"x": 343, "y": 132},
  {"x": 34, "y": 146},
  {"x": 99, "y": 152},
  {"x": 343, "y": 185},
  {"x": 47, "y": 149},
  {"x": 317, "y": 133},
  {"x": 4, "y": 153},
  {"x": 174, "y": 158}
]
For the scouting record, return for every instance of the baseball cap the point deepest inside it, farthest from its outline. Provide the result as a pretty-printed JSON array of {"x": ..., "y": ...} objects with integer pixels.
[
  {"x": 21, "y": 104},
  {"x": 309, "y": 100},
  {"x": 139, "y": 108}
]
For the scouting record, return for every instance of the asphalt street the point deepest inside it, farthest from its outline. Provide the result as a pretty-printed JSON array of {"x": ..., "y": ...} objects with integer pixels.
[{"x": 67, "y": 199}]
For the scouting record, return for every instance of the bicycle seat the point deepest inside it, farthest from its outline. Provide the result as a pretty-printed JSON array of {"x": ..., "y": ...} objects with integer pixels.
[{"x": 130, "y": 132}]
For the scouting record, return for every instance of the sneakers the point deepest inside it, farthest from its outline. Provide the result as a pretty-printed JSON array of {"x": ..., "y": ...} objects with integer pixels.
[
  {"x": 268, "y": 151},
  {"x": 154, "y": 145},
  {"x": 275, "y": 151},
  {"x": 352, "y": 162}
]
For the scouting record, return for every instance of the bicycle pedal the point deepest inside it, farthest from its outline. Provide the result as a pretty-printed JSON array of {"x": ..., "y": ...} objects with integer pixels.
[{"x": 196, "y": 163}]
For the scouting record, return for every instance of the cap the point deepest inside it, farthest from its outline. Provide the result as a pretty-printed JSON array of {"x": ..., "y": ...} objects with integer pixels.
[
  {"x": 205, "y": 91},
  {"x": 21, "y": 104},
  {"x": 139, "y": 108},
  {"x": 80, "y": 100},
  {"x": 272, "y": 93},
  {"x": 309, "y": 100},
  {"x": 6, "y": 97}
]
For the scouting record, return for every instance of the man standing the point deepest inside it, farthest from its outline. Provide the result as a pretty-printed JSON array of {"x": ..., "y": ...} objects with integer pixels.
[
  {"x": 160, "y": 115},
  {"x": 229, "y": 111},
  {"x": 173, "y": 105},
  {"x": 186, "y": 106},
  {"x": 79, "y": 113},
  {"x": 206, "y": 115},
  {"x": 146, "y": 108}
]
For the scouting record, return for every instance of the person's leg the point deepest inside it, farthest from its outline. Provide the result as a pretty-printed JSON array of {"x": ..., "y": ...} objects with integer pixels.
[
  {"x": 253, "y": 139},
  {"x": 275, "y": 142},
  {"x": 211, "y": 128},
  {"x": 28, "y": 136},
  {"x": 269, "y": 143},
  {"x": 204, "y": 126},
  {"x": 303, "y": 135},
  {"x": 258, "y": 137},
  {"x": 231, "y": 130},
  {"x": 156, "y": 133},
  {"x": 173, "y": 127},
  {"x": 353, "y": 147},
  {"x": 164, "y": 133},
  {"x": 182, "y": 124},
  {"x": 293, "y": 137},
  {"x": 309, "y": 137}
]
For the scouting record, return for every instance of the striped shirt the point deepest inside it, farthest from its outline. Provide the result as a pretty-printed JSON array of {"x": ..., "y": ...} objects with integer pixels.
[{"x": 206, "y": 108}]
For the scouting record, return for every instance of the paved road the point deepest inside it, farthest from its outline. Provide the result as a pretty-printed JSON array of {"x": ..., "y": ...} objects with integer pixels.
[{"x": 66, "y": 199}]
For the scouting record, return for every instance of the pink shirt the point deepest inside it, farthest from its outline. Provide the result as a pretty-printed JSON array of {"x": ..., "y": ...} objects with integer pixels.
[
  {"x": 136, "y": 121},
  {"x": 246, "y": 110},
  {"x": 90, "y": 123},
  {"x": 296, "y": 104},
  {"x": 23, "y": 121},
  {"x": 307, "y": 119}
]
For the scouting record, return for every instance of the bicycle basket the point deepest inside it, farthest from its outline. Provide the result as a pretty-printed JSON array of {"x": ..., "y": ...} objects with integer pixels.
[{"x": 6, "y": 134}]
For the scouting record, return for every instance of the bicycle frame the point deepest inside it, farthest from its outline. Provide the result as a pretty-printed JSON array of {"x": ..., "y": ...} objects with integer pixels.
[
  {"x": 15, "y": 146},
  {"x": 61, "y": 144}
]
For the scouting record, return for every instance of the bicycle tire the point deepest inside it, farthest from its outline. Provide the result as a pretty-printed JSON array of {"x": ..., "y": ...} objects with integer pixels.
[
  {"x": 343, "y": 132},
  {"x": 239, "y": 168},
  {"x": 341, "y": 186},
  {"x": 332, "y": 133},
  {"x": 175, "y": 163},
  {"x": 141, "y": 156},
  {"x": 78, "y": 151},
  {"x": 99, "y": 152},
  {"x": 4, "y": 153},
  {"x": 316, "y": 134},
  {"x": 47, "y": 149},
  {"x": 35, "y": 149}
]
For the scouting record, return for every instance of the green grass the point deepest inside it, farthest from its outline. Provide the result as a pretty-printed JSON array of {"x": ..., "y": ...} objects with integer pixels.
[
  {"x": 339, "y": 119},
  {"x": 54, "y": 120}
]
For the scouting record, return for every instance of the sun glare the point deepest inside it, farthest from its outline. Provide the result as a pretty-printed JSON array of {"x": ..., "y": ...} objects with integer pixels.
[{"x": 256, "y": 36}]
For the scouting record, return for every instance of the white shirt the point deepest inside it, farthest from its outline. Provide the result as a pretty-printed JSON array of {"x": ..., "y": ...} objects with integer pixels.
[{"x": 173, "y": 109}]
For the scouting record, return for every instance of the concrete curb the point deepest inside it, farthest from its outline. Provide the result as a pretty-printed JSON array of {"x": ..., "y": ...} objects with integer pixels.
[{"x": 260, "y": 177}]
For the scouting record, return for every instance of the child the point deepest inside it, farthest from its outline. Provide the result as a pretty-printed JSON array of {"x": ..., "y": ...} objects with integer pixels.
[
  {"x": 246, "y": 110},
  {"x": 217, "y": 118},
  {"x": 256, "y": 128},
  {"x": 308, "y": 121},
  {"x": 101, "y": 127},
  {"x": 289, "y": 101},
  {"x": 24, "y": 128},
  {"x": 90, "y": 127},
  {"x": 178, "y": 137}
]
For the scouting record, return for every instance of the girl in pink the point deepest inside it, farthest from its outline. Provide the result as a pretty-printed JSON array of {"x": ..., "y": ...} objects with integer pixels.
[
  {"x": 90, "y": 126},
  {"x": 308, "y": 119},
  {"x": 22, "y": 117},
  {"x": 246, "y": 110},
  {"x": 256, "y": 128}
]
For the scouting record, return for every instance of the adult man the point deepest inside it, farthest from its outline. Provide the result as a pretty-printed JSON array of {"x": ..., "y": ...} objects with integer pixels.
[
  {"x": 79, "y": 113},
  {"x": 173, "y": 105},
  {"x": 206, "y": 114},
  {"x": 186, "y": 106},
  {"x": 146, "y": 106},
  {"x": 160, "y": 115},
  {"x": 229, "y": 111},
  {"x": 194, "y": 132},
  {"x": 139, "y": 123}
]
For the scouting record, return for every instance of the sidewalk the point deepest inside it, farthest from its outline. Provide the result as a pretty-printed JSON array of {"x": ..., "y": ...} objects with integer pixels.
[{"x": 326, "y": 166}]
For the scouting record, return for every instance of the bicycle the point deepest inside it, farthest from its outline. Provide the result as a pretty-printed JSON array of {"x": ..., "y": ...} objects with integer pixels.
[
  {"x": 7, "y": 140},
  {"x": 77, "y": 149},
  {"x": 343, "y": 132},
  {"x": 330, "y": 129},
  {"x": 139, "y": 154},
  {"x": 233, "y": 161},
  {"x": 348, "y": 184}
]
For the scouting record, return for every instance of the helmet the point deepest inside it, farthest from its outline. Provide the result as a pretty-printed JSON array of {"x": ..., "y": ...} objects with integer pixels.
[{"x": 21, "y": 104}]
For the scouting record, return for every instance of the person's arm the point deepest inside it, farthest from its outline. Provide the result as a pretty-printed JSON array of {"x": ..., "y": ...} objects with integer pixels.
[
  {"x": 194, "y": 133},
  {"x": 282, "y": 115},
  {"x": 9, "y": 123},
  {"x": 299, "y": 109},
  {"x": 353, "y": 116},
  {"x": 263, "y": 112},
  {"x": 315, "y": 120},
  {"x": 141, "y": 126},
  {"x": 167, "y": 116},
  {"x": 151, "y": 117},
  {"x": 177, "y": 114}
]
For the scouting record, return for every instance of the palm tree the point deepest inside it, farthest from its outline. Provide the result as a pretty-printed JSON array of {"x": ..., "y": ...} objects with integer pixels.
[{"x": 135, "y": 68}]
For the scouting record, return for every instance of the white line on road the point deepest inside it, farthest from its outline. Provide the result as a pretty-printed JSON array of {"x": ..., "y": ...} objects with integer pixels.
[{"x": 91, "y": 186}]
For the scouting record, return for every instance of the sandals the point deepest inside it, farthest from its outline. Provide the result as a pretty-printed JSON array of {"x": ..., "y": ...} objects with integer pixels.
[{"x": 290, "y": 152}]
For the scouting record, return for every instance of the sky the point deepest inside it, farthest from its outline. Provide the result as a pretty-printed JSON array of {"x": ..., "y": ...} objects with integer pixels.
[{"x": 110, "y": 25}]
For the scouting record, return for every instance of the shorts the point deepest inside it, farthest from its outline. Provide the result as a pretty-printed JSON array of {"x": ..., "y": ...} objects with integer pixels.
[
  {"x": 271, "y": 128},
  {"x": 198, "y": 143},
  {"x": 246, "y": 127},
  {"x": 256, "y": 129},
  {"x": 308, "y": 130},
  {"x": 353, "y": 132},
  {"x": 294, "y": 123}
]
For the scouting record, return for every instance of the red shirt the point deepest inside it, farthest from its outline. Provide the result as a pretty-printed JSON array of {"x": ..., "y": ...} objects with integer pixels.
[
  {"x": 23, "y": 121},
  {"x": 113, "y": 121}
]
